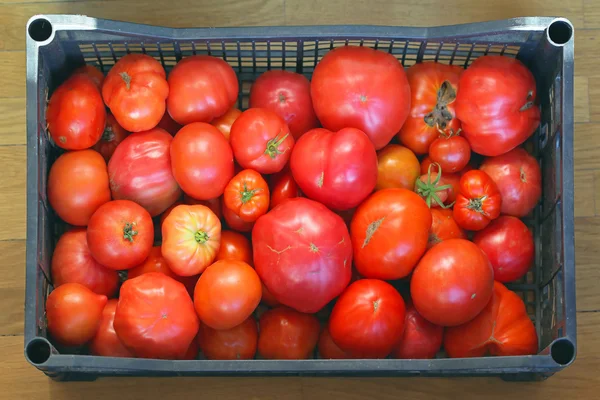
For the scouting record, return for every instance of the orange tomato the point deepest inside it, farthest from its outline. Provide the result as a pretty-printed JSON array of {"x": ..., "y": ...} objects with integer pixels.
[
  {"x": 247, "y": 195},
  {"x": 398, "y": 167},
  {"x": 224, "y": 122}
]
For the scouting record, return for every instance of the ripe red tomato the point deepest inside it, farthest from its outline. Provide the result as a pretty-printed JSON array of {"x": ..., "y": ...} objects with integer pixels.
[
  {"x": 78, "y": 185},
  {"x": 237, "y": 343},
  {"x": 261, "y": 140},
  {"x": 519, "y": 179},
  {"x": 452, "y": 152},
  {"x": 338, "y": 169},
  {"x": 202, "y": 88},
  {"x": 303, "y": 254},
  {"x": 191, "y": 236},
  {"x": 168, "y": 124},
  {"x": 421, "y": 338},
  {"x": 452, "y": 283},
  {"x": 328, "y": 349},
  {"x": 288, "y": 94},
  {"x": 430, "y": 187},
  {"x": 192, "y": 351},
  {"x": 93, "y": 73},
  {"x": 224, "y": 122},
  {"x": 213, "y": 204},
  {"x": 235, "y": 246},
  {"x": 478, "y": 201},
  {"x": 389, "y": 232},
  {"x": 282, "y": 186},
  {"x": 368, "y": 319},
  {"x": 76, "y": 115},
  {"x": 110, "y": 139},
  {"x": 74, "y": 312},
  {"x": 503, "y": 328},
  {"x": 202, "y": 161},
  {"x": 433, "y": 88},
  {"x": 496, "y": 104},
  {"x": 72, "y": 262},
  {"x": 155, "y": 317},
  {"x": 453, "y": 181},
  {"x": 358, "y": 87},
  {"x": 508, "y": 244},
  {"x": 155, "y": 262},
  {"x": 286, "y": 334},
  {"x": 227, "y": 293},
  {"x": 135, "y": 90},
  {"x": 443, "y": 227},
  {"x": 247, "y": 195},
  {"x": 120, "y": 234},
  {"x": 235, "y": 222},
  {"x": 398, "y": 167},
  {"x": 106, "y": 342}
]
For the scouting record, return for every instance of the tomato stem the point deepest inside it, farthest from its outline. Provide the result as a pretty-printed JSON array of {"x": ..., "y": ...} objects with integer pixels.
[
  {"x": 428, "y": 190},
  {"x": 201, "y": 237},
  {"x": 440, "y": 116},
  {"x": 272, "y": 149},
  {"x": 477, "y": 204},
  {"x": 248, "y": 194},
  {"x": 128, "y": 232}
]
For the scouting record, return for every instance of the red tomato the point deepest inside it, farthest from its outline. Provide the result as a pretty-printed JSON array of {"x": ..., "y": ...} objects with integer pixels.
[
  {"x": 328, "y": 349},
  {"x": 213, "y": 204},
  {"x": 155, "y": 262},
  {"x": 93, "y": 73},
  {"x": 496, "y": 104},
  {"x": 443, "y": 227},
  {"x": 519, "y": 179},
  {"x": 78, "y": 185},
  {"x": 368, "y": 319},
  {"x": 168, "y": 124},
  {"x": 247, "y": 195},
  {"x": 421, "y": 338},
  {"x": 286, "y": 334},
  {"x": 202, "y": 161},
  {"x": 433, "y": 89},
  {"x": 76, "y": 115},
  {"x": 303, "y": 254},
  {"x": 110, "y": 139},
  {"x": 235, "y": 246},
  {"x": 106, "y": 342},
  {"x": 120, "y": 234},
  {"x": 237, "y": 343},
  {"x": 282, "y": 186},
  {"x": 155, "y": 317},
  {"x": 192, "y": 351},
  {"x": 73, "y": 313},
  {"x": 72, "y": 262},
  {"x": 429, "y": 186},
  {"x": 478, "y": 201},
  {"x": 390, "y": 231},
  {"x": 191, "y": 236},
  {"x": 288, "y": 94},
  {"x": 235, "y": 222},
  {"x": 452, "y": 152},
  {"x": 338, "y": 169},
  {"x": 503, "y": 328},
  {"x": 425, "y": 163},
  {"x": 261, "y": 140},
  {"x": 227, "y": 293},
  {"x": 398, "y": 167},
  {"x": 358, "y": 87},
  {"x": 452, "y": 283},
  {"x": 453, "y": 181},
  {"x": 202, "y": 88},
  {"x": 508, "y": 244},
  {"x": 268, "y": 298},
  {"x": 135, "y": 90},
  {"x": 224, "y": 122}
]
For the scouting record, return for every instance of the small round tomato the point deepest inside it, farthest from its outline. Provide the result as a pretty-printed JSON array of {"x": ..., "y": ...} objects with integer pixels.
[
  {"x": 235, "y": 246},
  {"x": 478, "y": 201},
  {"x": 76, "y": 115},
  {"x": 247, "y": 195},
  {"x": 282, "y": 186},
  {"x": 106, "y": 343},
  {"x": 136, "y": 90},
  {"x": 227, "y": 293},
  {"x": 421, "y": 338},
  {"x": 110, "y": 139},
  {"x": 214, "y": 204},
  {"x": 168, "y": 124},
  {"x": 93, "y": 73},
  {"x": 328, "y": 349},
  {"x": 120, "y": 234},
  {"x": 429, "y": 186},
  {"x": 155, "y": 262},
  {"x": 452, "y": 152},
  {"x": 224, "y": 122},
  {"x": 237, "y": 343},
  {"x": 286, "y": 334},
  {"x": 443, "y": 227},
  {"x": 261, "y": 140},
  {"x": 398, "y": 167},
  {"x": 235, "y": 222}
]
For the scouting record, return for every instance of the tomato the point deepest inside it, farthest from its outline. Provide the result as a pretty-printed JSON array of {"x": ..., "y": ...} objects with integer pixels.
[
  {"x": 508, "y": 244},
  {"x": 237, "y": 343},
  {"x": 247, "y": 195},
  {"x": 268, "y": 298},
  {"x": 106, "y": 342},
  {"x": 288, "y": 94},
  {"x": 202, "y": 161},
  {"x": 235, "y": 246},
  {"x": 136, "y": 91},
  {"x": 235, "y": 222},
  {"x": 192, "y": 351},
  {"x": 452, "y": 283},
  {"x": 358, "y": 87},
  {"x": 111, "y": 137},
  {"x": 433, "y": 89},
  {"x": 93, "y": 73},
  {"x": 338, "y": 169},
  {"x": 73, "y": 313},
  {"x": 519, "y": 179},
  {"x": 452, "y": 152},
  {"x": 155, "y": 262},
  {"x": 120, "y": 234},
  {"x": 421, "y": 338},
  {"x": 140, "y": 170},
  {"x": 302, "y": 253},
  {"x": 168, "y": 124},
  {"x": 453, "y": 182},
  {"x": 72, "y": 262},
  {"x": 282, "y": 186},
  {"x": 261, "y": 140},
  {"x": 286, "y": 334},
  {"x": 398, "y": 167},
  {"x": 227, "y": 293},
  {"x": 166, "y": 213},
  {"x": 155, "y": 317},
  {"x": 496, "y": 104},
  {"x": 224, "y": 122},
  {"x": 429, "y": 186},
  {"x": 443, "y": 227},
  {"x": 191, "y": 238},
  {"x": 503, "y": 328},
  {"x": 213, "y": 204},
  {"x": 78, "y": 185},
  {"x": 202, "y": 88},
  {"x": 328, "y": 349},
  {"x": 389, "y": 232},
  {"x": 368, "y": 319},
  {"x": 478, "y": 201}
]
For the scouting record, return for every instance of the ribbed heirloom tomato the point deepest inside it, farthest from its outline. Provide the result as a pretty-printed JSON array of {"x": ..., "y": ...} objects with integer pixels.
[
  {"x": 421, "y": 339},
  {"x": 286, "y": 334},
  {"x": 237, "y": 343},
  {"x": 106, "y": 342},
  {"x": 111, "y": 137},
  {"x": 478, "y": 201},
  {"x": 247, "y": 195}
]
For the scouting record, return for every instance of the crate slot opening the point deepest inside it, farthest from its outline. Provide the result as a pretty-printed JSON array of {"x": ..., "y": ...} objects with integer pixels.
[
  {"x": 560, "y": 32},
  {"x": 38, "y": 351},
  {"x": 40, "y": 30},
  {"x": 562, "y": 351}
]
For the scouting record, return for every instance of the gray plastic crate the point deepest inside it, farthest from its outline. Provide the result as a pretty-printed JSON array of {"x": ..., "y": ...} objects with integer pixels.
[{"x": 57, "y": 44}]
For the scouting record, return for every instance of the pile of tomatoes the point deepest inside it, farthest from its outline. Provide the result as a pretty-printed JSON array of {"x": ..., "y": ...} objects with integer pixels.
[{"x": 367, "y": 213}]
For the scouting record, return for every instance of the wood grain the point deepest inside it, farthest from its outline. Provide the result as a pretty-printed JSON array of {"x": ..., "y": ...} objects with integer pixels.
[
  {"x": 12, "y": 287},
  {"x": 586, "y": 146},
  {"x": 12, "y": 121},
  {"x": 594, "y": 98},
  {"x": 12, "y": 189},
  {"x": 582, "y": 99},
  {"x": 585, "y": 193},
  {"x": 12, "y": 74},
  {"x": 586, "y": 46},
  {"x": 587, "y": 254}
]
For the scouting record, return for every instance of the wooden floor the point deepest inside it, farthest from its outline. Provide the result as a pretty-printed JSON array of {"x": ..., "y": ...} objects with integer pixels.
[{"x": 19, "y": 380}]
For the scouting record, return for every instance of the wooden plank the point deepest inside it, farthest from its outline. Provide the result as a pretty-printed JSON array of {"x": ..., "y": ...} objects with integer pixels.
[
  {"x": 587, "y": 253},
  {"x": 594, "y": 98},
  {"x": 12, "y": 74},
  {"x": 585, "y": 193},
  {"x": 12, "y": 188},
  {"x": 586, "y": 45},
  {"x": 591, "y": 10},
  {"x": 596, "y": 193},
  {"x": 586, "y": 146},
  {"x": 12, "y": 121},
  {"x": 12, "y": 287},
  {"x": 581, "y": 99}
]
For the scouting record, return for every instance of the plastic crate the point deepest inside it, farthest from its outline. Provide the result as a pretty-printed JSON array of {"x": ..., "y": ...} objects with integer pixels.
[{"x": 57, "y": 44}]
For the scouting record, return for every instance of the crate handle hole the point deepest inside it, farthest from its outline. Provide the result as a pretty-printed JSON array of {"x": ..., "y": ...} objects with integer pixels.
[
  {"x": 40, "y": 30},
  {"x": 38, "y": 351},
  {"x": 562, "y": 351},
  {"x": 560, "y": 32}
]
